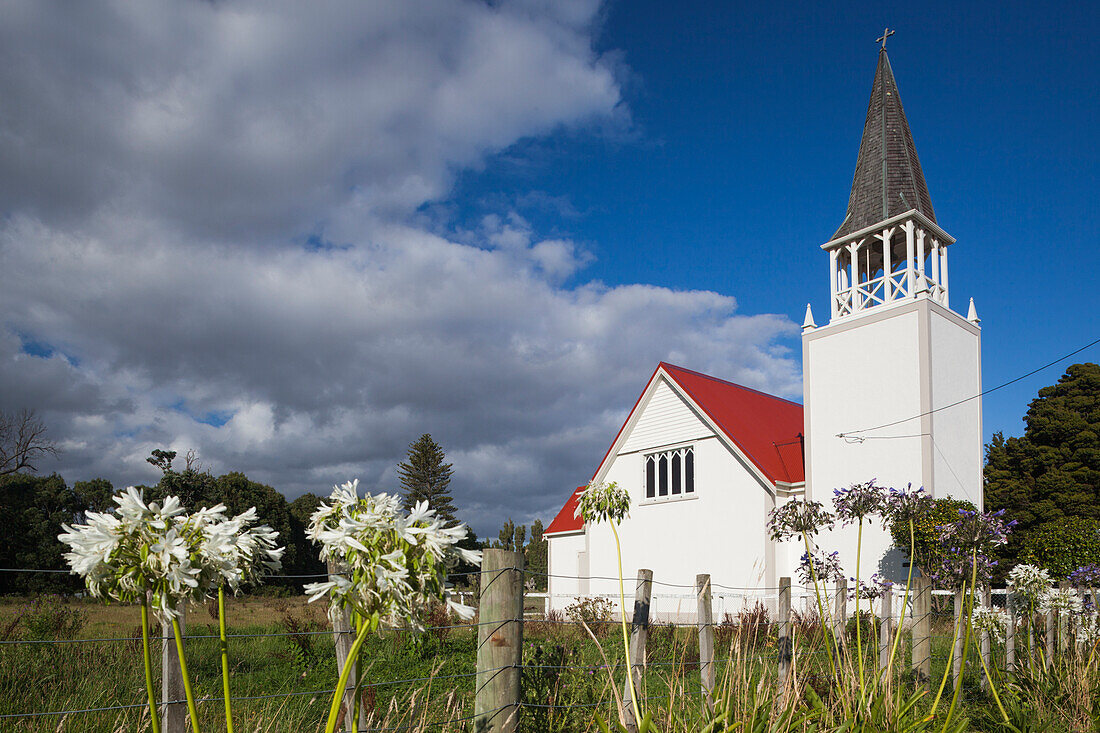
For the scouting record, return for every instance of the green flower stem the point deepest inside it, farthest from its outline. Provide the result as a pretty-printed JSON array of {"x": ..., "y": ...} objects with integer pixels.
[
  {"x": 826, "y": 619},
  {"x": 154, "y": 716},
  {"x": 966, "y": 640},
  {"x": 224, "y": 643},
  {"x": 859, "y": 625},
  {"x": 904, "y": 601},
  {"x": 342, "y": 683},
  {"x": 626, "y": 637},
  {"x": 950, "y": 659},
  {"x": 359, "y": 624},
  {"x": 191, "y": 710},
  {"x": 993, "y": 689}
]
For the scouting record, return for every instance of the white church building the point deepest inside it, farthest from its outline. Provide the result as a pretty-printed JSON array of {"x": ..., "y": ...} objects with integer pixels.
[{"x": 889, "y": 393}]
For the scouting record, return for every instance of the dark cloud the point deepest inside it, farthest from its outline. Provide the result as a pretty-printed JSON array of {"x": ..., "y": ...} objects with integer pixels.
[{"x": 163, "y": 168}]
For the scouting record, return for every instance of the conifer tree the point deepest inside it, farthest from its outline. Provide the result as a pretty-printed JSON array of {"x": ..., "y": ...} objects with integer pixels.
[{"x": 425, "y": 477}]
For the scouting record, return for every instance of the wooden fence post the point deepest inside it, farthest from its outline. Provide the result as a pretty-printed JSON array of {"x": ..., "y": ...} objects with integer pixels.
[
  {"x": 1063, "y": 622},
  {"x": 885, "y": 628},
  {"x": 922, "y": 629},
  {"x": 1049, "y": 618},
  {"x": 957, "y": 656},
  {"x": 639, "y": 632},
  {"x": 1010, "y": 631},
  {"x": 173, "y": 709},
  {"x": 840, "y": 616},
  {"x": 705, "y": 620},
  {"x": 343, "y": 637},
  {"x": 499, "y": 642},
  {"x": 784, "y": 642}
]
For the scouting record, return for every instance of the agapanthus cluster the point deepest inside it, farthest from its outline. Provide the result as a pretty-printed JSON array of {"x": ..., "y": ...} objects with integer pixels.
[
  {"x": 1029, "y": 583},
  {"x": 602, "y": 503},
  {"x": 859, "y": 502},
  {"x": 966, "y": 547},
  {"x": 908, "y": 504},
  {"x": 798, "y": 518},
  {"x": 238, "y": 549},
  {"x": 1086, "y": 576},
  {"x": 975, "y": 530},
  {"x": 993, "y": 621},
  {"x": 158, "y": 547},
  {"x": 1061, "y": 600},
  {"x": 392, "y": 564},
  {"x": 871, "y": 589},
  {"x": 825, "y": 567}
]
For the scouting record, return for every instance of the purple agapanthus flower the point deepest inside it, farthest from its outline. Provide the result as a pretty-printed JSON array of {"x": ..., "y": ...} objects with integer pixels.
[
  {"x": 859, "y": 502},
  {"x": 1087, "y": 576},
  {"x": 826, "y": 566},
  {"x": 966, "y": 547},
  {"x": 875, "y": 587},
  {"x": 903, "y": 505}
]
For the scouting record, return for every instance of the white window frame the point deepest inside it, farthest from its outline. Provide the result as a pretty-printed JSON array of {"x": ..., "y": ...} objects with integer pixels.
[{"x": 684, "y": 495}]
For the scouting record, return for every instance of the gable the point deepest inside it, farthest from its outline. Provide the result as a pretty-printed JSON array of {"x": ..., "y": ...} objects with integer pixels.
[{"x": 665, "y": 419}]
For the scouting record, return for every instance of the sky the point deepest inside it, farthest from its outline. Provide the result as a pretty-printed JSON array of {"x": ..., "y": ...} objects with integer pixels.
[{"x": 295, "y": 237}]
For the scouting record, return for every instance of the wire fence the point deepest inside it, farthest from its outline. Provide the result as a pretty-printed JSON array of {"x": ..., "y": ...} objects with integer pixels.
[{"x": 557, "y": 611}]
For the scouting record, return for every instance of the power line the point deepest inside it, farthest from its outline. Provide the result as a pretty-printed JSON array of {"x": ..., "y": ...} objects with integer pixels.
[{"x": 851, "y": 433}]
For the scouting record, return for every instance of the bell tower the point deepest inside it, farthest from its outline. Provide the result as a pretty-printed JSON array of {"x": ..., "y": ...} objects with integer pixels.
[{"x": 890, "y": 381}]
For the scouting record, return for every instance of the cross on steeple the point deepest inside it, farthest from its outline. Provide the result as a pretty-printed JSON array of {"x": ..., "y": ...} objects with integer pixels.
[{"x": 885, "y": 34}]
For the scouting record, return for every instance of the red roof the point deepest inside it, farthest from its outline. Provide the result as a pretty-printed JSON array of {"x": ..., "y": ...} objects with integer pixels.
[
  {"x": 767, "y": 429},
  {"x": 565, "y": 521}
]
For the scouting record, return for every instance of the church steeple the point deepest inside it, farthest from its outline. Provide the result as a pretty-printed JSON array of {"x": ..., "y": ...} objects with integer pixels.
[
  {"x": 889, "y": 247},
  {"x": 888, "y": 178}
]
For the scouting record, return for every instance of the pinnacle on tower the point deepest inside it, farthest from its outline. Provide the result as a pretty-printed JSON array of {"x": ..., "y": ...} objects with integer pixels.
[{"x": 888, "y": 179}]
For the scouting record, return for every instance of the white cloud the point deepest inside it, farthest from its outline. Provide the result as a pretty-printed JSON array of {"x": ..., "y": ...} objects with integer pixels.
[{"x": 163, "y": 164}]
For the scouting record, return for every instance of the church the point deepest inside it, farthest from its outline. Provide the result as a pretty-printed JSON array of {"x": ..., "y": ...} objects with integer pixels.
[{"x": 890, "y": 392}]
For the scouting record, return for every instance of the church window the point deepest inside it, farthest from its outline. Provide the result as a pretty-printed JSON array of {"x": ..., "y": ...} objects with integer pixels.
[{"x": 670, "y": 474}]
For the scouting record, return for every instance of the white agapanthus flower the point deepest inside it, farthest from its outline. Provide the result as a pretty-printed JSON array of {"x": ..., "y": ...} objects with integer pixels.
[
  {"x": 993, "y": 621},
  {"x": 1030, "y": 583},
  {"x": 235, "y": 550},
  {"x": 140, "y": 547},
  {"x": 158, "y": 547},
  {"x": 1061, "y": 600},
  {"x": 392, "y": 562},
  {"x": 602, "y": 503}
]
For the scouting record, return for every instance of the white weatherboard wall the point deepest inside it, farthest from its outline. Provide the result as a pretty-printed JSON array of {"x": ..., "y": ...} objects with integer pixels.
[
  {"x": 887, "y": 364},
  {"x": 719, "y": 530}
]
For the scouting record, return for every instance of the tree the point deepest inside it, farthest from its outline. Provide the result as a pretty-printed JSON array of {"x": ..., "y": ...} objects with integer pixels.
[
  {"x": 1053, "y": 471},
  {"x": 425, "y": 477},
  {"x": 34, "y": 509},
  {"x": 95, "y": 495},
  {"x": 536, "y": 555},
  {"x": 22, "y": 442},
  {"x": 1063, "y": 545}
]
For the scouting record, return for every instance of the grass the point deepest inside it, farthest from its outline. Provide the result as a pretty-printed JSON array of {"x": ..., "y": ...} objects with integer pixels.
[{"x": 564, "y": 681}]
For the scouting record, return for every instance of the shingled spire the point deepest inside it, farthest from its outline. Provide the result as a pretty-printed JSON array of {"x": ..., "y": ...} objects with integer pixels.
[{"x": 888, "y": 179}]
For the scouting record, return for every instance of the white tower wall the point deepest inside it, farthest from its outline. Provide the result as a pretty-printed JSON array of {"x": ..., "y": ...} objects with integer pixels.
[{"x": 889, "y": 366}]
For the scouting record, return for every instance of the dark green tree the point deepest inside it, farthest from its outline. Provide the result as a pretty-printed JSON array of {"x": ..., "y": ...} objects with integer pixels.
[
  {"x": 1052, "y": 472},
  {"x": 506, "y": 538},
  {"x": 1063, "y": 545},
  {"x": 95, "y": 495},
  {"x": 34, "y": 508},
  {"x": 425, "y": 477},
  {"x": 536, "y": 554}
]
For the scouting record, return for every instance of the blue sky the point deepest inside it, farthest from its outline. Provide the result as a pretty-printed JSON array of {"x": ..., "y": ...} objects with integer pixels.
[
  {"x": 746, "y": 123},
  {"x": 295, "y": 237}
]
